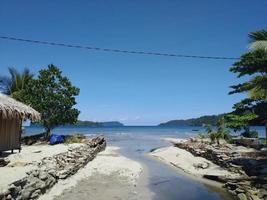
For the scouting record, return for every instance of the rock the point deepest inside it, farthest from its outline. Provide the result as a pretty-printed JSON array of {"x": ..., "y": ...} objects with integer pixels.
[
  {"x": 242, "y": 196},
  {"x": 36, "y": 194},
  {"x": 50, "y": 181},
  {"x": 2, "y": 195},
  {"x": 253, "y": 197},
  {"x": 4, "y": 162},
  {"x": 8, "y": 197},
  {"x": 25, "y": 194},
  {"x": 262, "y": 193},
  {"x": 50, "y": 169},
  {"x": 239, "y": 190},
  {"x": 20, "y": 182},
  {"x": 43, "y": 175},
  {"x": 203, "y": 165},
  {"x": 63, "y": 174},
  {"x": 14, "y": 190},
  {"x": 232, "y": 192}
]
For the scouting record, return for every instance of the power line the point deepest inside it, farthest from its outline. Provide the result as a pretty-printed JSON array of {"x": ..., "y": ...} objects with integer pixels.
[{"x": 116, "y": 50}]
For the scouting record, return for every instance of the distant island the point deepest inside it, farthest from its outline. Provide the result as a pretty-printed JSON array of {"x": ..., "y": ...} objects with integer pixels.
[
  {"x": 91, "y": 123},
  {"x": 207, "y": 119},
  {"x": 99, "y": 124}
]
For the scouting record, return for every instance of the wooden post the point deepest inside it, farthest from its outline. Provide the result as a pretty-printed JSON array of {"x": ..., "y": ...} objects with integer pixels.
[{"x": 20, "y": 132}]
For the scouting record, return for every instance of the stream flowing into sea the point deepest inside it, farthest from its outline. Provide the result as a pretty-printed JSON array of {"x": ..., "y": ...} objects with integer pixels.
[{"x": 135, "y": 141}]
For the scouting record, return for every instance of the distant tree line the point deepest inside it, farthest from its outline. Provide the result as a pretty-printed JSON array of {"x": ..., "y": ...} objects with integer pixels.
[{"x": 207, "y": 119}]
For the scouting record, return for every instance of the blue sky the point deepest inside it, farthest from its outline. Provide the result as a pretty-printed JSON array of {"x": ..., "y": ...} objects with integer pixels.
[{"x": 135, "y": 89}]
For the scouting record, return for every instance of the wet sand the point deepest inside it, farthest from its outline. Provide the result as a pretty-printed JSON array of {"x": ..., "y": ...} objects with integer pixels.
[
  {"x": 102, "y": 187},
  {"x": 109, "y": 175}
]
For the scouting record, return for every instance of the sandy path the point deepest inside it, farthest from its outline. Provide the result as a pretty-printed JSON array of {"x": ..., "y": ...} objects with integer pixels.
[{"x": 108, "y": 175}]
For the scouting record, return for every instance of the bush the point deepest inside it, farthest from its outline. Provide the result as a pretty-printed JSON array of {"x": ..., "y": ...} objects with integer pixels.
[
  {"x": 201, "y": 136},
  {"x": 213, "y": 137},
  {"x": 76, "y": 138},
  {"x": 250, "y": 134}
]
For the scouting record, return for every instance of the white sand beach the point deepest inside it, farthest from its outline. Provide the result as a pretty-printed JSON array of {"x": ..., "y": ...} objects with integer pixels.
[
  {"x": 109, "y": 174},
  {"x": 27, "y": 160},
  {"x": 187, "y": 162}
]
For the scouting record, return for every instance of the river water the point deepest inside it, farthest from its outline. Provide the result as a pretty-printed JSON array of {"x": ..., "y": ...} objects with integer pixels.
[{"x": 164, "y": 181}]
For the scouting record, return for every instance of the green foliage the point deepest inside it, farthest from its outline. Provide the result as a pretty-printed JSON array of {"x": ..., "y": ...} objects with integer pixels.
[
  {"x": 201, "y": 136},
  {"x": 238, "y": 122},
  {"x": 258, "y": 39},
  {"x": 76, "y": 138},
  {"x": 221, "y": 132},
  {"x": 208, "y": 128},
  {"x": 250, "y": 134},
  {"x": 13, "y": 84},
  {"x": 253, "y": 64},
  {"x": 88, "y": 123},
  {"x": 212, "y": 137},
  {"x": 53, "y": 96}
]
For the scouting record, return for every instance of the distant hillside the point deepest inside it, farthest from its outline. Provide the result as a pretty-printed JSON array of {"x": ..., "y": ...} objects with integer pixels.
[
  {"x": 98, "y": 124},
  {"x": 207, "y": 119}
]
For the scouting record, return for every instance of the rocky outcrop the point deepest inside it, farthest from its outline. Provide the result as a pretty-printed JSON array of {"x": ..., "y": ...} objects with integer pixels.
[
  {"x": 51, "y": 169},
  {"x": 4, "y": 162},
  {"x": 250, "y": 164}
]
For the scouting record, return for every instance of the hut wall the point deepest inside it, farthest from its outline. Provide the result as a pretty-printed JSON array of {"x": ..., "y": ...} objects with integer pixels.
[{"x": 9, "y": 134}]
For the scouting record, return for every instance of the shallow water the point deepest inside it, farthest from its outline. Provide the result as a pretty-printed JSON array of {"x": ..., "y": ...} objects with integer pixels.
[{"x": 165, "y": 182}]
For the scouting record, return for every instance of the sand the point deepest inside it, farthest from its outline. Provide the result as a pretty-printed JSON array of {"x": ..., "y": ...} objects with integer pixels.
[
  {"x": 108, "y": 175},
  {"x": 174, "y": 140},
  {"x": 27, "y": 160},
  {"x": 187, "y": 162}
]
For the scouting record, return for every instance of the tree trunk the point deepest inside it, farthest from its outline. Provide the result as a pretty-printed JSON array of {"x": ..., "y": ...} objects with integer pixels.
[
  {"x": 47, "y": 134},
  {"x": 266, "y": 131}
]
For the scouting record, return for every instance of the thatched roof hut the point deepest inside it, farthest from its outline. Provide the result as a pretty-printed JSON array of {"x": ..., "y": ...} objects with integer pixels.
[{"x": 12, "y": 113}]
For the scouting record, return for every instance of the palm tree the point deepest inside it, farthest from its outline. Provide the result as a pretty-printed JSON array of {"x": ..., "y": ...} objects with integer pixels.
[
  {"x": 258, "y": 39},
  {"x": 16, "y": 82}
]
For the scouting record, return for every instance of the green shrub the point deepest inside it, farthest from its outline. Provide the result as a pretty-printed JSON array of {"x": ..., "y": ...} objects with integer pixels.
[
  {"x": 76, "y": 138},
  {"x": 201, "y": 136},
  {"x": 250, "y": 134}
]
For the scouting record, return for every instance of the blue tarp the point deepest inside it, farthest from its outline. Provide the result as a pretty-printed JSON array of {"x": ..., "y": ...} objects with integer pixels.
[{"x": 56, "y": 139}]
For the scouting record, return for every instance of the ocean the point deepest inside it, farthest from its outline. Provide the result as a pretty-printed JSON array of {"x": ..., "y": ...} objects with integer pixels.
[{"x": 135, "y": 141}]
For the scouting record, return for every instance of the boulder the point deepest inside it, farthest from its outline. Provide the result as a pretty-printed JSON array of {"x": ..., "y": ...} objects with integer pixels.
[{"x": 242, "y": 196}]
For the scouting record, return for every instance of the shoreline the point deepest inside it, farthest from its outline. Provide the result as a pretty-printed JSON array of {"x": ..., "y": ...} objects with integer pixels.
[
  {"x": 183, "y": 170},
  {"x": 188, "y": 163},
  {"x": 43, "y": 172},
  {"x": 239, "y": 170},
  {"x": 32, "y": 172},
  {"x": 124, "y": 178}
]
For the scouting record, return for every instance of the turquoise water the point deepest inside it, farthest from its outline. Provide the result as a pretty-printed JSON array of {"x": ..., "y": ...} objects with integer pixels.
[
  {"x": 181, "y": 132},
  {"x": 134, "y": 142}
]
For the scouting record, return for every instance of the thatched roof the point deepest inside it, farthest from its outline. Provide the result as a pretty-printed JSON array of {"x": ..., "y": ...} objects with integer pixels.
[{"x": 10, "y": 108}]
